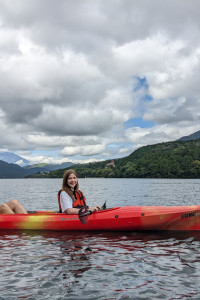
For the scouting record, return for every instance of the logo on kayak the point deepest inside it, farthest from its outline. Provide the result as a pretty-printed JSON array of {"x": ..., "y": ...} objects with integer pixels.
[
  {"x": 188, "y": 215},
  {"x": 67, "y": 219}
]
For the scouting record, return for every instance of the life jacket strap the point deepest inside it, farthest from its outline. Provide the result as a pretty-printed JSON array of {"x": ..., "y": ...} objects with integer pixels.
[{"x": 59, "y": 205}]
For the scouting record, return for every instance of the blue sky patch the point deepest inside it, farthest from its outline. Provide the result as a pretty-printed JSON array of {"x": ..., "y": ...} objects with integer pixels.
[
  {"x": 138, "y": 122},
  {"x": 142, "y": 83}
]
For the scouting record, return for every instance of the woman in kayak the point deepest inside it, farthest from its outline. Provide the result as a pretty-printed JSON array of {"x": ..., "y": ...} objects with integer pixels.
[
  {"x": 12, "y": 207},
  {"x": 71, "y": 199}
]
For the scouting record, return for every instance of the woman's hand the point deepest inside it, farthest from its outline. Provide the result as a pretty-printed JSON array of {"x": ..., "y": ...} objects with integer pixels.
[{"x": 95, "y": 208}]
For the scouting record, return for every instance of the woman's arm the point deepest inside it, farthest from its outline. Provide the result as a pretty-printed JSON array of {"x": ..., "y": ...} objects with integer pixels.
[
  {"x": 75, "y": 211},
  {"x": 66, "y": 203},
  {"x": 95, "y": 208},
  {"x": 72, "y": 211}
]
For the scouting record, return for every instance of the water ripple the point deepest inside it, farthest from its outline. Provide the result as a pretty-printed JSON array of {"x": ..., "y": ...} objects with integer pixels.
[{"x": 99, "y": 266}]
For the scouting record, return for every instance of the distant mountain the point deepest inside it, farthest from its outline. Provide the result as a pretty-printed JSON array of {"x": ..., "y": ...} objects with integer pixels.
[
  {"x": 14, "y": 171},
  {"x": 11, "y": 170},
  {"x": 10, "y": 157},
  {"x": 193, "y": 136},
  {"x": 37, "y": 168}
]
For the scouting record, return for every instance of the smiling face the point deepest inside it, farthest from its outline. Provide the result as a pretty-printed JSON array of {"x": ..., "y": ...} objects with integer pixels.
[{"x": 72, "y": 181}]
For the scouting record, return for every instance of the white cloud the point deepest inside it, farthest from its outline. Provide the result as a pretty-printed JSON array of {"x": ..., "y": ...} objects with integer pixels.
[
  {"x": 159, "y": 134},
  {"x": 124, "y": 151},
  {"x": 19, "y": 162},
  {"x": 37, "y": 159},
  {"x": 88, "y": 150},
  {"x": 69, "y": 74}
]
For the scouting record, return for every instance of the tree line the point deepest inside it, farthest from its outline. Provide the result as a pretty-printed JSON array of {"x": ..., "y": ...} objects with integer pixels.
[{"x": 179, "y": 159}]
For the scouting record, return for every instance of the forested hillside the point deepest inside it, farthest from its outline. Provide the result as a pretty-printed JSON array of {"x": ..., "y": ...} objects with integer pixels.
[{"x": 180, "y": 159}]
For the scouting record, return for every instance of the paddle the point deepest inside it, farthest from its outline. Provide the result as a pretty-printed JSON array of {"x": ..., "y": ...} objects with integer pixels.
[{"x": 83, "y": 214}]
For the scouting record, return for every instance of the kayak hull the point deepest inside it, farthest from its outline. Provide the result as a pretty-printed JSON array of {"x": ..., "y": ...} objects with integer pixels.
[{"x": 127, "y": 218}]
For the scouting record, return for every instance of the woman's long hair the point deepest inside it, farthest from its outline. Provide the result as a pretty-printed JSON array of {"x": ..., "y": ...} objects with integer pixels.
[{"x": 65, "y": 186}]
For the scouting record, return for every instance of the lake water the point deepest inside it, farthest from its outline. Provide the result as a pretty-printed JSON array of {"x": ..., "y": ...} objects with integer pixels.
[{"x": 100, "y": 265}]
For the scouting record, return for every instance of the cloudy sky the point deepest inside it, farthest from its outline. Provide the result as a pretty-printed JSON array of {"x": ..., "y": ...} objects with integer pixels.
[{"x": 89, "y": 80}]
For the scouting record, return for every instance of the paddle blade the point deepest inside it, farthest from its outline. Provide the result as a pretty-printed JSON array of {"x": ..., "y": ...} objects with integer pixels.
[
  {"x": 83, "y": 214},
  {"x": 104, "y": 206}
]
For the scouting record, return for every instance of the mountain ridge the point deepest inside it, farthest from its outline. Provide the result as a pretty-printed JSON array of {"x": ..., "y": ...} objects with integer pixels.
[
  {"x": 11, "y": 170},
  {"x": 15, "y": 171},
  {"x": 193, "y": 136},
  {"x": 11, "y": 157}
]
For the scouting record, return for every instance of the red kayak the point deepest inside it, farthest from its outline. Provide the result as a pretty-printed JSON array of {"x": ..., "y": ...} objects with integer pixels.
[{"x": 127, "y": 218}]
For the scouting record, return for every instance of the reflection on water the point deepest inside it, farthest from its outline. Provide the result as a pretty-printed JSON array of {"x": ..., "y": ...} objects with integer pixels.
[{"x": 106, "y": 265}]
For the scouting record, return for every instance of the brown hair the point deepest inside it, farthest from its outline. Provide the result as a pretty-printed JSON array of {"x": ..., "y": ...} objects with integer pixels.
[{"x": 65, "y": 186}]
